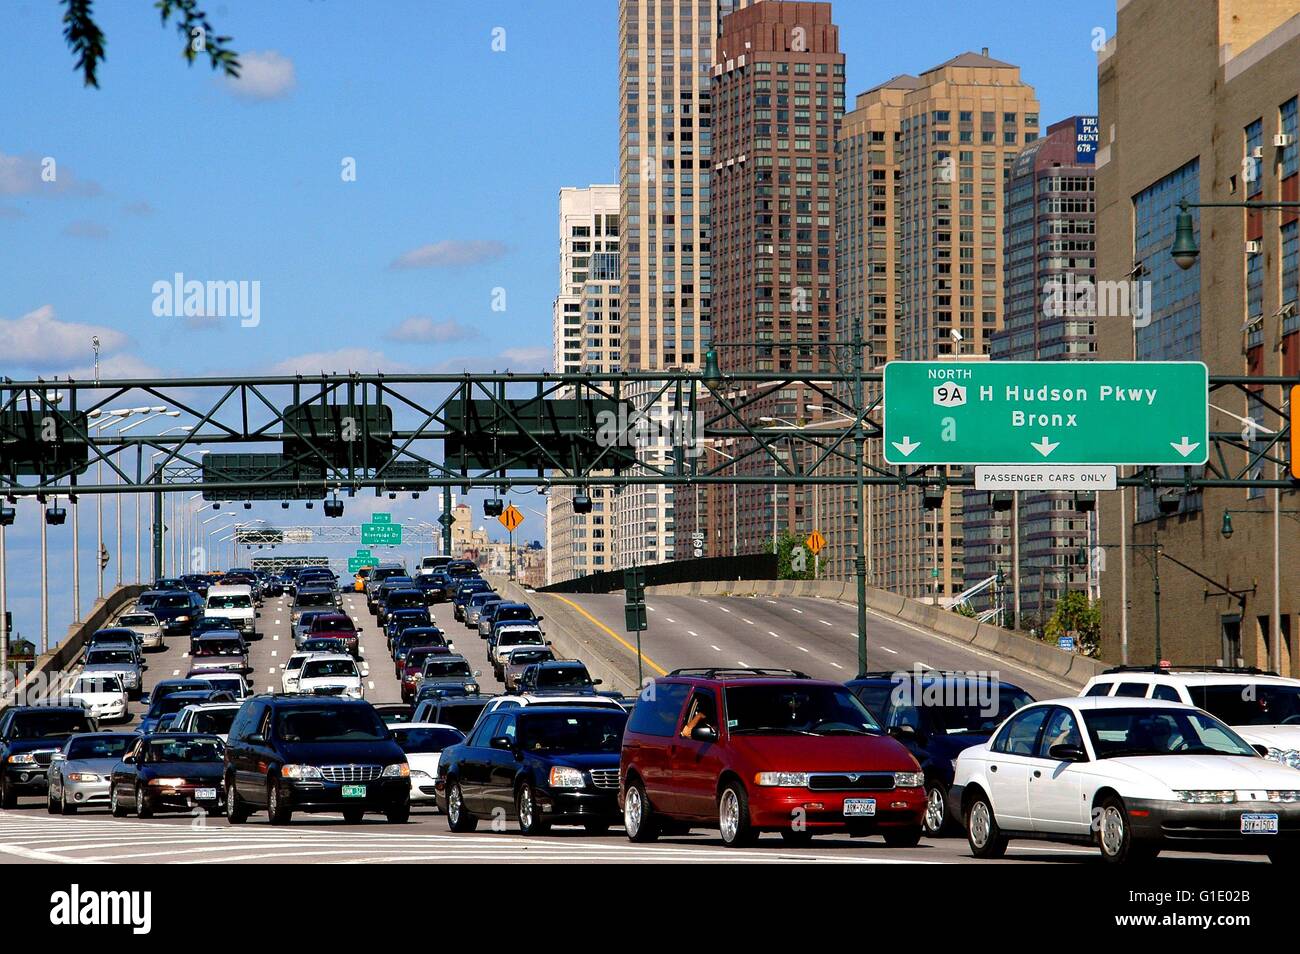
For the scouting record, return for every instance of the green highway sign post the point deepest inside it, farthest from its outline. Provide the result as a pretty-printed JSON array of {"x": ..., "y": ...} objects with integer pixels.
[
  {"x": 381, "y": 518},
  {"x": 381, "y": 534},
  {"x": 1142, "y": 413},
  {"x": 634, "y": 612}
]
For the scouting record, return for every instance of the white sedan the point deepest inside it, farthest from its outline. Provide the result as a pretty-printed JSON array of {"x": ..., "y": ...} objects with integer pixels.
[
  {"x": 101, "y": 695},
  {"x": 1133, "y": 776},
  {"x": 146, "y": 626},
  {"x": 332, "y": 675},
  {"x": 423, "y": 743}
]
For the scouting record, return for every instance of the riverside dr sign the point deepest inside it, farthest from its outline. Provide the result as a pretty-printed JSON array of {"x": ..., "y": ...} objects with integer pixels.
[{"x": 1142, "y": 413}]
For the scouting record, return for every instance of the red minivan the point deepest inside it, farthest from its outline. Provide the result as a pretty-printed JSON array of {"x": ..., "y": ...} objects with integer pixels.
[{"x": 753, "y": 750}]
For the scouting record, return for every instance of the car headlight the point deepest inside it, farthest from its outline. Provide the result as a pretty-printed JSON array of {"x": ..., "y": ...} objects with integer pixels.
[
  {"x": 83, "y": 777},
  {"x": 167, "y": 782},
  {"x": 22, "y": 758},
  {"x": 397, "y": 770},
  {"x": 354, "y": 692},
  {"x": 909, "y": 780},
  {"x": 1286, "y": 795},
  {"x": 471, "y": 687},
  {"x": 1207, "y": 796},
  {"x": 300, "y": 772},
  {"x": 782, "y": 779},
  {"x": 1288, "y": 757},
  {"x": 181, "y": 619},
  {"x": 563, "y": 776}
]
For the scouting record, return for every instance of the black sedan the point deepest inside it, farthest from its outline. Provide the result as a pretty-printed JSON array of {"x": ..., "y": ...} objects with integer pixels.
[
  {"x": 171, "y": 771},
  {"x": 542, "y": 765}
]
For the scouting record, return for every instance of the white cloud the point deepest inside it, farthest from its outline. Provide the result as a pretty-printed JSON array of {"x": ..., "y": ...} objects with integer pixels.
[
  {"x": 123, "y": 365},
  {"x": 449, "y": 253},
  {"x": 340, "y": 360},
  {"x": 419, "y": 328},
  {"x": 41, "y": 176},
  {"x": 40, "y": 340},
  {"x": 525, "y": 360},
  {"x": 263, "y": 76}
]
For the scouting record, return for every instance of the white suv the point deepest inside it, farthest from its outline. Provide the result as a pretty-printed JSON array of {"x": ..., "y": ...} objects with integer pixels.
[{"x": 1261, "y": 707}]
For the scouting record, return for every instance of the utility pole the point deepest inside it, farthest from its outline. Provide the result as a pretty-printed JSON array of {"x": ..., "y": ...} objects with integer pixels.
[
  {"x": 1015, "y": 559},
  {"x": 859, "y": 440}
]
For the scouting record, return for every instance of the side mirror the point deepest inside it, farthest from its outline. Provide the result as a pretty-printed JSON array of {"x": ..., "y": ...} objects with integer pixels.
[
  {"x": 540, "y": 618},
  {"x": 598, "y": 682},
  {"x": 1261, "y": 749},
  {"x": 704, "y": 733},
  {"x": 477, "y": 673},
  {"x": 256, "y": 738},
  {"x": 365, "y": 669},
  {"x": 903, "y": 733},
  {"x": 128, "y": 759},
  {"x": 548, "y": 642},
  {"x": 1067, "y": 753},
  {"x": 502, "y": 742}
]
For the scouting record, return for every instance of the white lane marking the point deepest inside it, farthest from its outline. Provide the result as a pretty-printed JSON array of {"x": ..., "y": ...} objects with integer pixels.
[
  {"x": 825, "y": 622},
  {"x": 773, "y": 602},
  {"x": 372, "y": 684},
  {"x": 692, "y": 632},
  {"x": 278, "y": 622},
  {"x": 669, "y": 619},
  {"x": 837, "y": 665},
  {"x": 770, "y": 633},
  {"x": 724, "y": 609},
  {"x": 921, "y": 665},
  {"x": 888, "y": 650},
  {"x": 802, "y": 650},
  {"x": 176, "y": 672},
  {"x": 701, "y": 599},
  {"x": 799, "y": 611},
  {"x": 749, "y": 621},
  {"x": 716, "y": 649},
  {"x": 274, "y": 653},
  {"x": 271, "y": 671},
  {"x": 33, "y": 855},
  {"x": 651, "y": 609},
  {"x": 276, "y": 636}
]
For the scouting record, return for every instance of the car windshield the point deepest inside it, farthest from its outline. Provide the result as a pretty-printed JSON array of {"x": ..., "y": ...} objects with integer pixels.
[
  {"x": 359, "y": 723},
  {"x": 337, "y": 622},
  {"x": 512, "y": 612},
  {"x": 563, "y": 677},
  {"x": 422, "y": 637},
  {"x": 958, "y": 707},
  {"x": 44, "y": 725},
  {"x": 100, "y": 746},
  {"x": 462, "y": 715},
  {"x": 218, "y": 647},
  {"x": 97, "y": 684},
  {"x": 112, "y": 657},
  {"x": 323, "y": 645},
  {"x": 405, "y": 600},
  {"x": 313, "y": 668},
  {"x": 521, "y": 637},
  {"x": 523, "y": 657},
  {"x": 1249, "y": 703},
  {"x": 173, "y": 602},
  {"x": 559, "y": 732},
  {"x": 416, "y": 740},
  {"x": 788, "y": 709},
  {"x": 446, "y": 667},
  {"x": 214, "y": 721},
  {"x": 1117, "y": 733},
  {"x": 232, "y": 601},
  {"x": 168, "y": 705},
  {"x": 314, "y": 599},
  {"x": 138, "y": 620},
  {"x": 184, "y": 750}
]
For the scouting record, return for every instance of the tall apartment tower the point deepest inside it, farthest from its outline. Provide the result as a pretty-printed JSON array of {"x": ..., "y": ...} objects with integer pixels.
[
  {"x": 778, "y": 96},
  {"x": 1231, "y": 69},
  {"x": 586, "y": 322},
  {"x": 1049, "y": 301},
  {"x": 922, "y": 163}
]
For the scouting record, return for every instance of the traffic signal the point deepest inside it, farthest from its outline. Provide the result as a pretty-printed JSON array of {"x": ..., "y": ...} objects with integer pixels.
[
  {"x": 55, "y": 515},
  {"x": 7, "y": 515},
  {"x": 493, "y": 507},
  {"x": 334, "y": 508},
  {"x": 582, "y": 502}
]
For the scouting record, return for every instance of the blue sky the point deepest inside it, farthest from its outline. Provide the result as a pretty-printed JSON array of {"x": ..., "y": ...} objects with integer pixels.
[{"x": 459, "y": 153}]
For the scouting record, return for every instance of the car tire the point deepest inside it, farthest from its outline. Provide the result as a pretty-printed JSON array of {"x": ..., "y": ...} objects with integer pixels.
[
  {"x": 64, "y": 807},
  {"x": 459, "y": 818},
  {"x": 236, "y": 810},
  {"x": 935, "y": 821},
  {"x": 639, "y": 818},
  {"x": 733, "y": 817},
  {"x": 142, "y": 809},
  {"x": 8, "y": 798},
  {"x": 796, "y": 839},
  {"x": 982, "y": 832},
  {"x": 399, "y": 814},
  {"x": 1115, "y": 835},
  {"x": 115, "y": 806},
  {"x": 528, "y": 813},
  {"x": 908, "y": 837},
  {"x": 51, "y": 805},
  {"x": 353, "y": 816},
  {"x": 277, "y": 812}
]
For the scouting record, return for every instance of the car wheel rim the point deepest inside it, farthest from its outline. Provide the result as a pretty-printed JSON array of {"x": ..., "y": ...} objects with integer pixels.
[
  {"x": 453, "y": 805},
  {"x": 139, "y": 802},
  {"x": 980, "y": 824},
  {"x": 934, "y": 809},
  {"x": 525, "y": 808},
  {"x": 632, "y": 811},
  {"x": 729, "y": 816},
  {"x": 1112, "y": 831}
]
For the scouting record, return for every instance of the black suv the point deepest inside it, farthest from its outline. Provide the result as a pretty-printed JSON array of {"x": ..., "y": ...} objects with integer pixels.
[
  {"x": 313, "y": 754},
  {"x": 29, "y": 737},
  {"x": 936, "y": 715},
  {"x": 566, "y": 676}
]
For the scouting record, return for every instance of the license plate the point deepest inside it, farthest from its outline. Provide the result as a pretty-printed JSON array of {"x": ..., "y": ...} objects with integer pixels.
[
  {"x": 354, "y": 791},
  {"x": 205, "y": 794},
  {"x": 1258, "y": 823},
  {"x": 859, "y": 806}
]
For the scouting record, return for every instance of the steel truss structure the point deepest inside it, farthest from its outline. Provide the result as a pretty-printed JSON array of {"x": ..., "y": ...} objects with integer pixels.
[{"x": 248, "y": 414}]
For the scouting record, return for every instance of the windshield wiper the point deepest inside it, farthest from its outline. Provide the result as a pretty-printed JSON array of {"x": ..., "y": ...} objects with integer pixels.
[{"x": 772, "y": 728}]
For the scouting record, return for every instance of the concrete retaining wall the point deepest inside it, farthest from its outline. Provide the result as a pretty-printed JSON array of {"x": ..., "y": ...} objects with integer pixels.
[{"x": 1070, "y": 668}]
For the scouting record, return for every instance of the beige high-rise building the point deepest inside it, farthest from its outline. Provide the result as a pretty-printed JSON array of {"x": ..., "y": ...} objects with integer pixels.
[
  {"x": 586, "y": 323},
  {"x": 1198, "y": 101},
  {"x": 921, "y": 166}
]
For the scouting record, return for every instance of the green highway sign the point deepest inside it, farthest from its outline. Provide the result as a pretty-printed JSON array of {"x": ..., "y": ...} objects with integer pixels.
[
  {"x": 381, "y": 518},
  {"x": 1147, "y": 413},
  {"x": 381, "y": 534},
  {"x": 357, "y": 562},
  {"x": 363, "y": 553}
]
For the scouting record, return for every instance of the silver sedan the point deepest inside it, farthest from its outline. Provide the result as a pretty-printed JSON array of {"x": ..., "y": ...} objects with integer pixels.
[{"x": 80, "y": 772}]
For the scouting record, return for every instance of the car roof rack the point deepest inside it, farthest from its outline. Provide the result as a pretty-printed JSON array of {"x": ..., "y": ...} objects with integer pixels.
[
  {"x": 729, "y": 672},
  {"x": 924, "y": 674},
  {"x": 1233, "y": 670}
]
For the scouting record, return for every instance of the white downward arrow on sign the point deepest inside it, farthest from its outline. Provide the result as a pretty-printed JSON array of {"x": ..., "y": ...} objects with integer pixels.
[
  {"x": 1185, "y": 448},
  {"x": 905, "y": 447},
  {"x": 1044, "y": 447}
]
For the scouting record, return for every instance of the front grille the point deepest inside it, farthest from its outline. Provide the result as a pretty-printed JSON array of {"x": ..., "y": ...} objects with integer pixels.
[
  {"x": 604, "y": 778},
  {"x": 44, "y": 757},
  {"x": 351, "y": 773},
  {"x": 851, "y": 781},
  {"x": 329, "y": 690}
]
